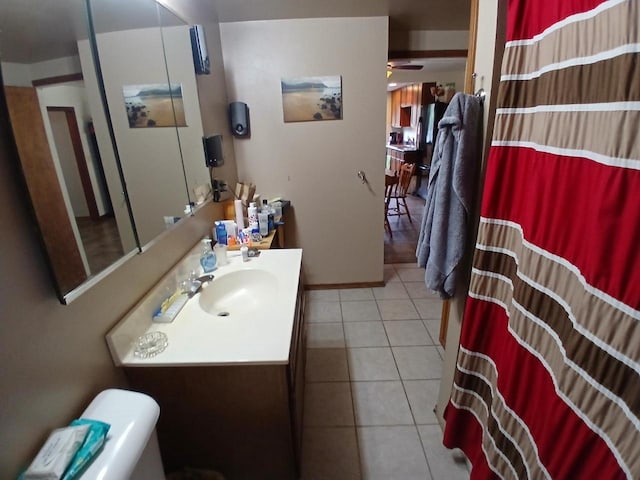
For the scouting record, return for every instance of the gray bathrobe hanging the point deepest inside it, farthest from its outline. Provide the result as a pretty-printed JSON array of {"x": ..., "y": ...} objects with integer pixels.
[{"x": 452, "y": 185}]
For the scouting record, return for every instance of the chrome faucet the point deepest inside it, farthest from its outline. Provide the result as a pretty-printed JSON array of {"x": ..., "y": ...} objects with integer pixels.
[{"x": 193, "y": 285}]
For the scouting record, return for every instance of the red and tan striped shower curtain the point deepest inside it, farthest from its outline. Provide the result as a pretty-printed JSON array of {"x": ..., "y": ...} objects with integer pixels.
[{"x": 547, "y": 381}]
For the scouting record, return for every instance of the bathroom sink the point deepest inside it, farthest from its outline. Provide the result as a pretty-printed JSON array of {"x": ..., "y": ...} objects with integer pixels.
[{"x": 239, "y": 293}]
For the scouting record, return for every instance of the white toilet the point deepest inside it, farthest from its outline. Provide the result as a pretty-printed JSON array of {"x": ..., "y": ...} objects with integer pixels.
[{"x": 131, "y": 450}]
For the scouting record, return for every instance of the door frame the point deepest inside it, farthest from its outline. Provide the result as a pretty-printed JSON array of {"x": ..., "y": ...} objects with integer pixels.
[{"x": 81, "y": 160}]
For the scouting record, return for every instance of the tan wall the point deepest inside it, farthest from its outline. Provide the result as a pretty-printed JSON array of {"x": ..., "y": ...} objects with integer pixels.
[
  {"x": 150, "y": 157},
  {"x": 213, "y": 93},
  {"x": 53, "y": 358},
  {"x": 338, "y": 220}
]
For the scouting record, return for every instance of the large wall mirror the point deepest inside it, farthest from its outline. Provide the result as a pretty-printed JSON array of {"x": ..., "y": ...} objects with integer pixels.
[{"x": 104, "y": 109}]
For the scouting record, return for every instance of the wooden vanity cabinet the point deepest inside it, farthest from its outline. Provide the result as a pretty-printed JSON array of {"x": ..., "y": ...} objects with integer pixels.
[{"x": 244, "y": 421}]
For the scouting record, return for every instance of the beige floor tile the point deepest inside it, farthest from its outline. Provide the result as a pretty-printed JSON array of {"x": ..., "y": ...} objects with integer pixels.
[
  {"x": 423, "y": 396},
  {"x": 429, "y": 308},
  {"x": 327, "y": 365},
  {"x": 325, "y": 335},
  {"x": 322, "y": 295},
  {"x": 411, "y": 274},
  {"x": 418, "y": 363},
  {"x": 330, "y": 453},
  {"x": 390, "y": 274},
  {"x": 391, "y": 291},
  {"x": 397, "y": 310},
  {"x": 419, "y": 290},
  {"x": 392, "y": 453},
  {"x": 323, "y": 312},
  {"x": 380, "y": 403},
  {"x": 433, "y": 327},
  {"x": 407, "y": 332},
  {"x": 372, "y": 364},
  {"x": 352, "y": 294},
  {"x": 406, "y": 266},
  {"x": 328, "y": 405},
  {"x": 440, "y": 351},
  {"x": 360, "y": 311},
  {"x": 365, "y": 334},
  {"x": 443, "y": 463}
]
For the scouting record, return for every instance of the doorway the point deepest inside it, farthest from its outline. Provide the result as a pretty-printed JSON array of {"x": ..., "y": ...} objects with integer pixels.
[{"x": 96, "y": 224}]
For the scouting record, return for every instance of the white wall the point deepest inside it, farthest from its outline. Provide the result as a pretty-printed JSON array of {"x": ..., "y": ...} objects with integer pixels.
[
  {"x": 214, "y": 103},
  {"x": 22, "y": 74},
  {"x": 150, "y": 157},
  {"x": 73, "y": 95},
  {"x": 61, "y": 143},
  {"x": 16, "y": 74},
  {"x": 56, "y": 67},
  {"x": 98, "y": 116},
  {"x": 338, "y": 220},
  {"x": 177, "y": 45}
]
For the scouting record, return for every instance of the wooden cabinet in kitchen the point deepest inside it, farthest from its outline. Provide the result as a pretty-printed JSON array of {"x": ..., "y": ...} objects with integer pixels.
[
  {"x": 395, "y": 107},
  {"x": 407, "y": 102}
]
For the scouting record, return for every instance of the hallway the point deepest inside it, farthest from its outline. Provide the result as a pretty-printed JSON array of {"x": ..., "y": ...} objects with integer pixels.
[{"x": 401, "y": 247}]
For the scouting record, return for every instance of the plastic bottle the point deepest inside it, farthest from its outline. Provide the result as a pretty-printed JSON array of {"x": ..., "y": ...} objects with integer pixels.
[
  {"x": 252, "y": 212},
  {"x": 269, "y": 211},
  {"x": 208, "y": 258},
  {"x": 221, "y": 233},
  {"x": 263, "y": 221}
]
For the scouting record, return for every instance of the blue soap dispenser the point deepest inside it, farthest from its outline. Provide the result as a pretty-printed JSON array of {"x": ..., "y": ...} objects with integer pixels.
[{"x": 208, "y": 258}]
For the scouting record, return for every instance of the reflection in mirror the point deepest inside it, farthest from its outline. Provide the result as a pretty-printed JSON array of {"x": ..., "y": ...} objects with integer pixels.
[
  {"x": 89, "y": 171},
  {"x": 77, "y": 196},
  {"x": 151, "y": 93}
]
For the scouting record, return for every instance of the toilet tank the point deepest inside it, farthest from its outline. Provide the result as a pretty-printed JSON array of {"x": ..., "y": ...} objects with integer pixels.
[{"x": 131, "y": 449}]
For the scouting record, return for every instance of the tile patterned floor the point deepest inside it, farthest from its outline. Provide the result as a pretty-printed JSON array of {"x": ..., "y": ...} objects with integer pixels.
[{"x": 372, "y": 380}]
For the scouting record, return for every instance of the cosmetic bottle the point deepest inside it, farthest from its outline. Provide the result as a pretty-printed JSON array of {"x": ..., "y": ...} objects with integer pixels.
[
  {"x": 221, "y": 233},
  {"x": 208, "y": 258}
]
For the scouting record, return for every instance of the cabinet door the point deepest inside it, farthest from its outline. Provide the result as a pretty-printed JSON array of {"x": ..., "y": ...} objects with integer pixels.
[
  {"x": 395, "y": 108},
  {"x": 406, "y": 96}
]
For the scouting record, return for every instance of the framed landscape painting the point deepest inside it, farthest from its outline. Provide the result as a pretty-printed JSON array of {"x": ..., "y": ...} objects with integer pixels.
[
  {"x": 308, "y": 99},
  {"x": 154, "y": 104}
]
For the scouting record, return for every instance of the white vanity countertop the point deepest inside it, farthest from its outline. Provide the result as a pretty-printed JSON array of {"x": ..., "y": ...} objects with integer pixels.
[{"x": 196, "y": 337}]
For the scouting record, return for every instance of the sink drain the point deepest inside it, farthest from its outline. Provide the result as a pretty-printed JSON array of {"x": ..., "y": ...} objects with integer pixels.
[{"x": 223, "y": 314}]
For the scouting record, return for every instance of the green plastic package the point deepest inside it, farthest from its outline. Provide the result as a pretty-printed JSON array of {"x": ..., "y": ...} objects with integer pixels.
[{"x": 92, "y": 443}]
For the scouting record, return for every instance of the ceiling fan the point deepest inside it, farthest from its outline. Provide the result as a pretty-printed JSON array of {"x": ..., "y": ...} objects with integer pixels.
[
  {"x": 394, "y": 65},
  {"x": 403, "y": 66}
]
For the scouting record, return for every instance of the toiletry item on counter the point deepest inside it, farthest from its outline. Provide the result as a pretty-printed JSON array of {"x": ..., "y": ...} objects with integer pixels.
[
  {"x": 171, "y": 306},
  {"x": 252, "y": 212},
  {"x": 208, "y": 258},
  {"x": 277, "y": 210},
  {"x": 239, "y": 209},
  {"x": 221, "y": 233},
  {"x": 263, "y": 222},
  {"x": 221, "y": 254},
  {"x": 244, "y": 251},
  {"x": 267, "y": 208},
  {"x": 56, "y": 454},
  {"x": 232, "y": 229}
]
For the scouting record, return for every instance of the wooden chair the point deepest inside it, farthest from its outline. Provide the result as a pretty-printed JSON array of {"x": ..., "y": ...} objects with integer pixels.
[
  {"x": 399, "y": 193},
  {"x": 390, "y": 181}
]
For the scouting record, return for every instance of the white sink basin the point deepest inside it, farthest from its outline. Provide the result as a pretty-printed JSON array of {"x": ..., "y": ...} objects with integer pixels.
[{"x": 239, "y": 293}]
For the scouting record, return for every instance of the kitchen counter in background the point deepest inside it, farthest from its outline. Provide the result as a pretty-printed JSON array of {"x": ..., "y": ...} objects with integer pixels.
[
  {"x": 402, "y": 153},
  {"x": 402, "y": 147}
]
